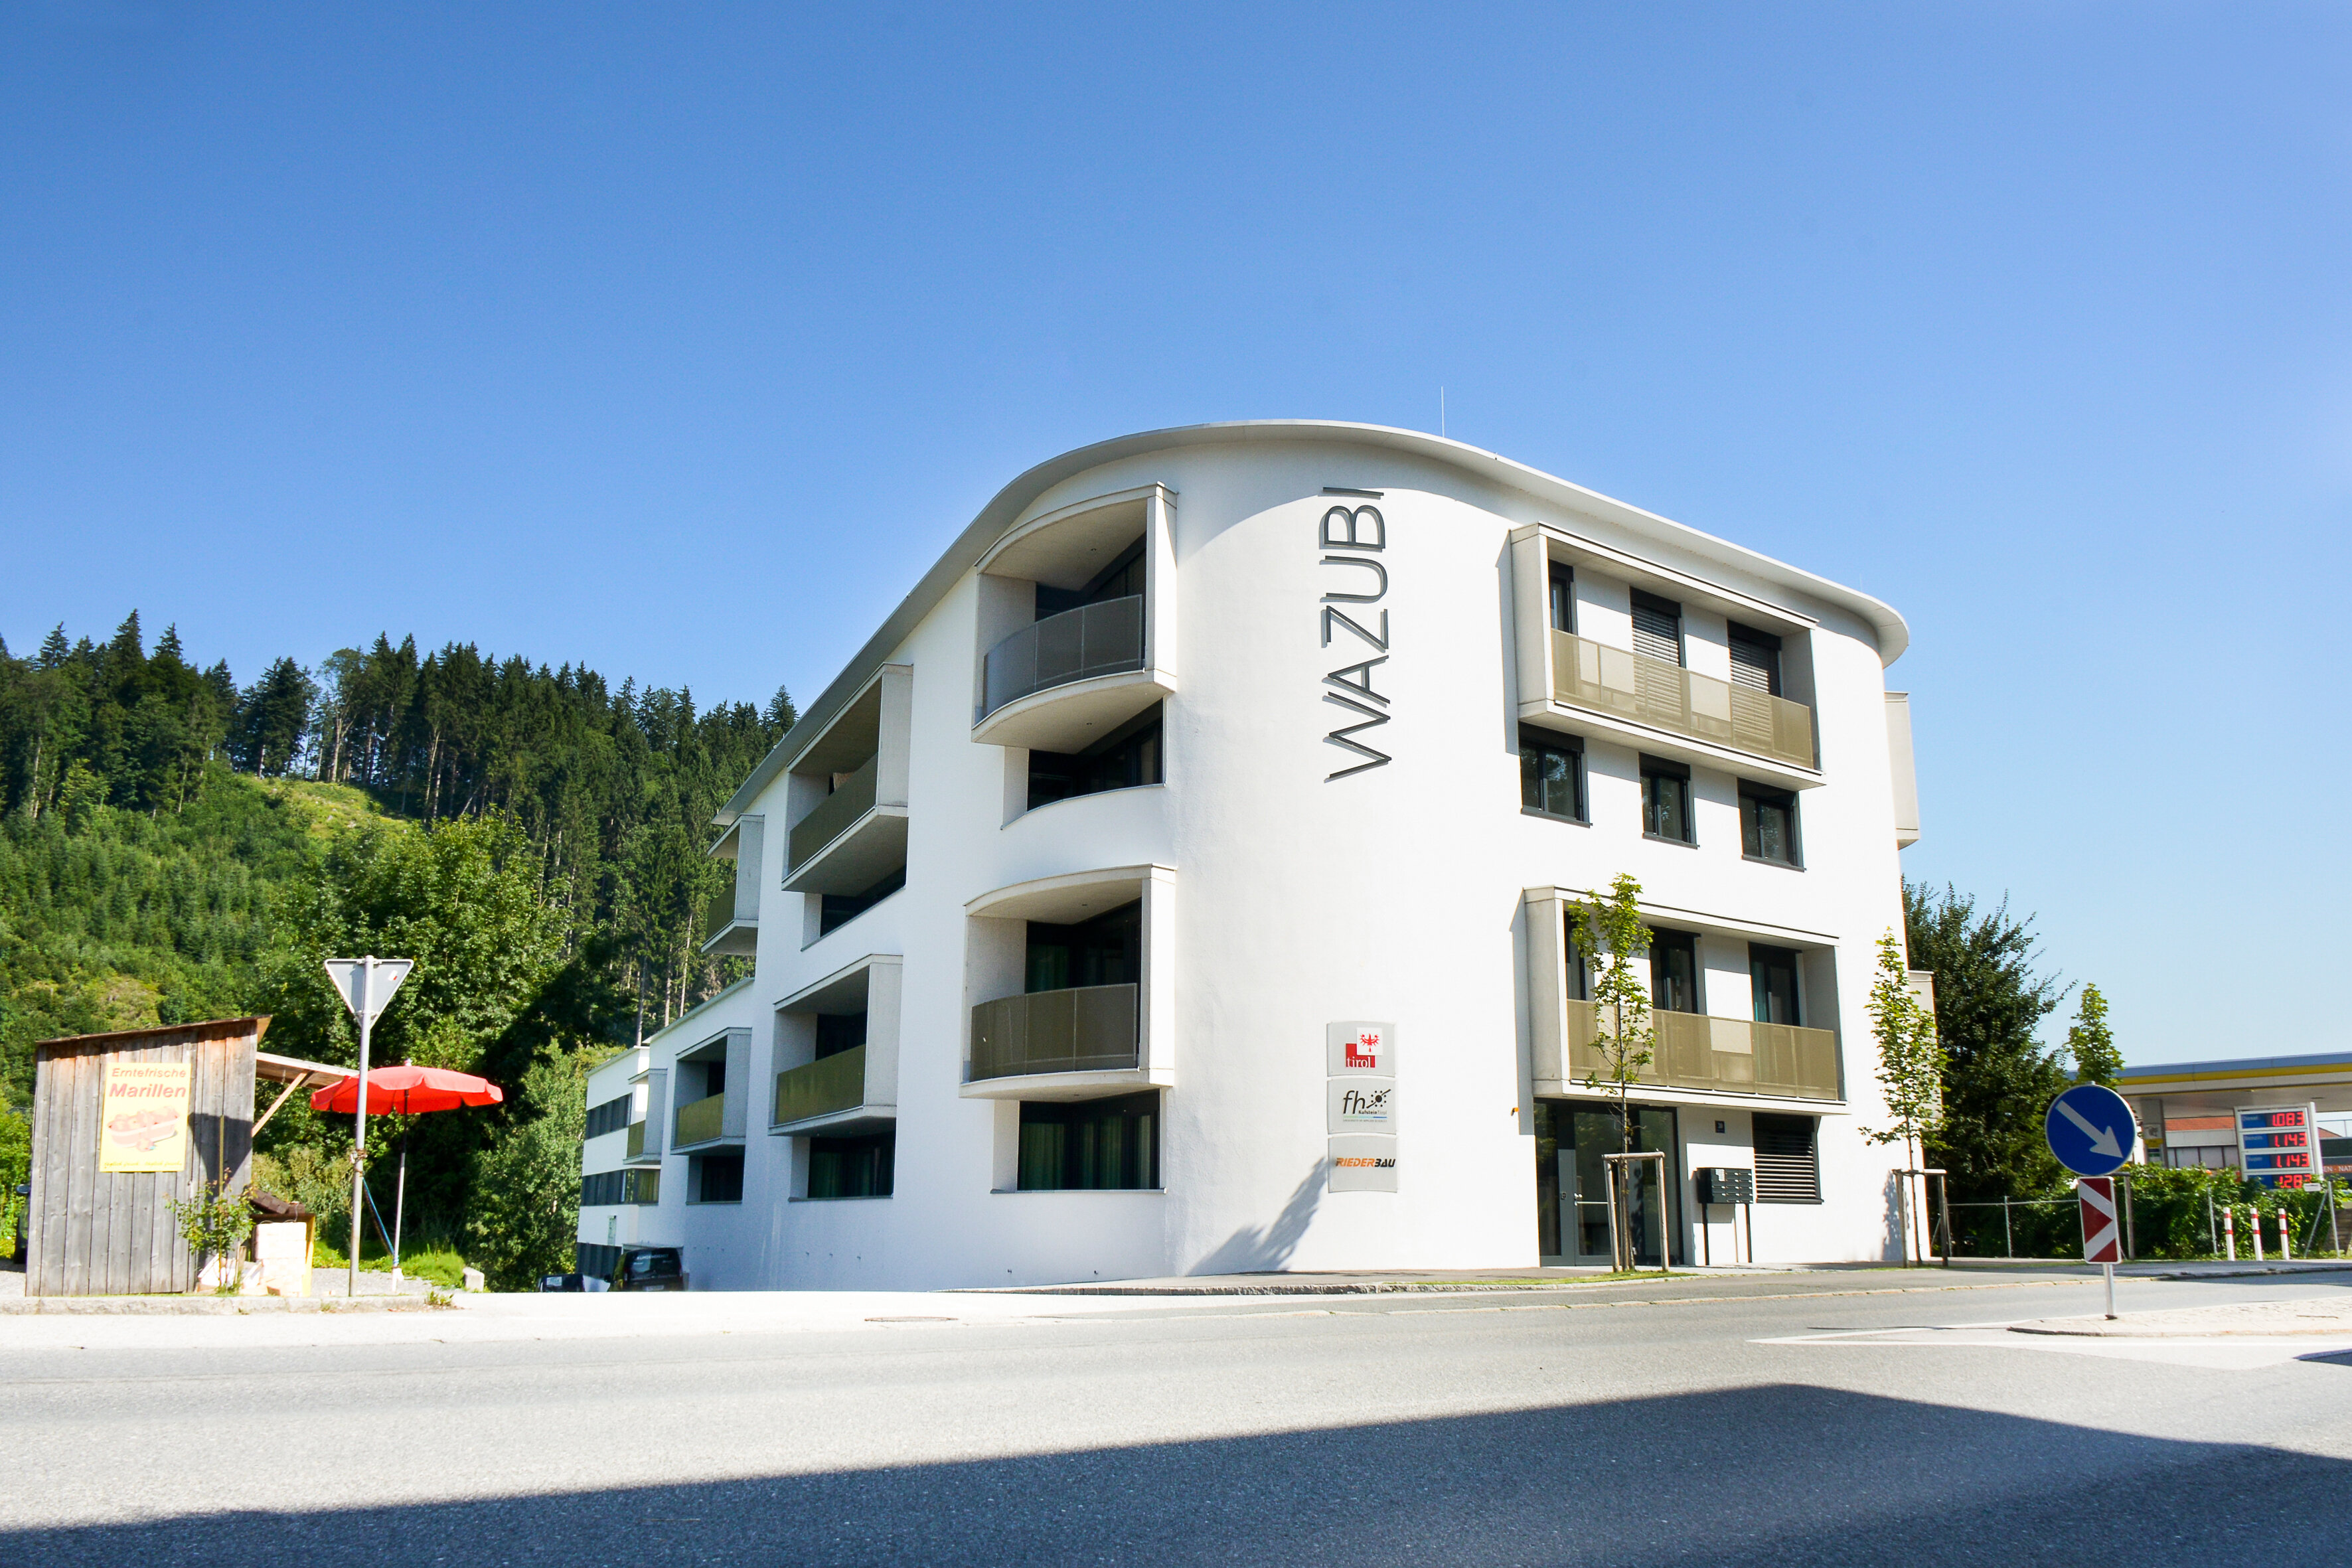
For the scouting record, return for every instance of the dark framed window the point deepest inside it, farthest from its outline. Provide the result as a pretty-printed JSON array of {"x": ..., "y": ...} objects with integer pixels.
[
  {"x": 1768, "y": 824},
  {"x": 1666, "y": 801},
  {"x": 1788, "y": 1159},
  {"x": 839, "y": 908},
  {"x": 1090, "y": 1145},
  {"x": 1105, "y": 950},
  {"x": 1551, "y": 774},
  {"x": 1755, "y": 659},
  {"x": 839, "y": 1032},
  {"x": 1127, "y": 758},
  {"x": 853, "y": 1167},
  {"x": 715, "y": 1178},
  {"x": 1674, "y": 971},
  {"x": 1122, "y": 579},
  {"x": 1773, "y": 972},
  {"x": 1562, "y": 605},
  {"x": 613, "y": 1116}
]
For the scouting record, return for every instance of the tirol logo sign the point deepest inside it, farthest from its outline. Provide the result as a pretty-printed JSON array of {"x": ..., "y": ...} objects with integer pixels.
[{"x": 1358, "y": 1045}]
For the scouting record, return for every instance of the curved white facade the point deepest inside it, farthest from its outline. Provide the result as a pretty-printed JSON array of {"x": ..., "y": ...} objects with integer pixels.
[{"x": 1278, "y": 892}]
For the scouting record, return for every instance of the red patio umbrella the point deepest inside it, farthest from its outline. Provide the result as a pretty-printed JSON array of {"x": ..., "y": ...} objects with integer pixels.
[{"x": 406, "y": 1091}]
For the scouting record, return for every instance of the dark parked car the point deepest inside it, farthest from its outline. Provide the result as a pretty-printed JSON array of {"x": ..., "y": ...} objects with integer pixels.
[{"x": 650, "y": 1268}]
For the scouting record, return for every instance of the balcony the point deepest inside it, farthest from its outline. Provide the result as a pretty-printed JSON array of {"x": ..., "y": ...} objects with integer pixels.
[
  {"x": 1076, "y": 644},
  {"x": 1086, "y": 1029},
  {"x": 728, "y": 927},
  {"x": 1631, "y": 686},
  {"x": 1060, "y": 684},
  {"x": 1724, "y": 1056},
  {"x": 833, "y": 1095},
  {"x": 636, "y": 1146},
  {"x": 700, "y": 1121},
  {"x": 850, "y": 841}
]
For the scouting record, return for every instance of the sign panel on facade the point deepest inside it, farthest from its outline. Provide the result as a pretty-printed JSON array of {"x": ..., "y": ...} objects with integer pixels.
[
  {"x": 2103, "y": 1236},
  {"x": 1363, "y": 1162},
  {"x": 143, "y": 1116},
  {"x": 2091, "y": 1130},
  {"x": 1358, "y": 1103},
  {"x": 2278, "y": 1145},
  {"x": 1361, "y": 1045}
]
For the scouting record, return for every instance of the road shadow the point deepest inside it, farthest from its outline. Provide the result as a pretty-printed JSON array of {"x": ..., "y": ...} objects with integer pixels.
[{"x": 1773, "y": 1475}]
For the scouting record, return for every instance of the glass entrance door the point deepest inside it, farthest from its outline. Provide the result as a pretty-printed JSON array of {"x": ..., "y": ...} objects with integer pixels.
[{"x": 1572, "y": 1183}]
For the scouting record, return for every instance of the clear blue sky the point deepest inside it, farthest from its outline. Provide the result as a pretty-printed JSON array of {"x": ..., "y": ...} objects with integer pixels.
[{"x": 678, "y": 340}]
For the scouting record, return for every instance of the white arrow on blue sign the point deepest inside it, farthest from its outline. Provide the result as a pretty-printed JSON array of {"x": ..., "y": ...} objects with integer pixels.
[{"x": 2091, "y": 1130}]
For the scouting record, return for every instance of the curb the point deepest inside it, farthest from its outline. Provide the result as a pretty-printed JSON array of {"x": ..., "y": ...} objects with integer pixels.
[{"x": 203, "y": 1306}]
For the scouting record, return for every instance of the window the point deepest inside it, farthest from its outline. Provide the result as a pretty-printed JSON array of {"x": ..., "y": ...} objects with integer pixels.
[
  {"x": 1105, "y": 950},
  {"x": 1551, "y": 774},
  {"x": 840, "y": 909},
  {"x": 1665, "y": 801},
  {"x": 1773, "y": 972},
  {"x": 1755, "y": 659},
  {"x": 1091, "y": 1145},
  {"x": 1122, "y": 579},
  {"x": 715, "y": 1178},
  {"x": 1657, "y": 627},
  {"x": 1788, "y": 1165},
  {"x": 613, "y": 1116},
  {"x": 1674, "y": 971},
  {"x": 852, "y": 1167},
  {"x": 839, "y": 1032},
  {"x": 1127, "y": 758},
  {"x": 1563, "y": 598},
  {"x": 1768, "y": 824}
]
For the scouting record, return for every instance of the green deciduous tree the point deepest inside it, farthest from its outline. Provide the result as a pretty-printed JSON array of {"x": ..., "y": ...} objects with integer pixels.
[
  {"x": 1911, "y": 1066},
  {"x": 2092, "y": 1043},
  {"x": 1999, "y": 1079},
  {"x": 1609, "y": 935},
  {"x": 526, "y": 1214}
]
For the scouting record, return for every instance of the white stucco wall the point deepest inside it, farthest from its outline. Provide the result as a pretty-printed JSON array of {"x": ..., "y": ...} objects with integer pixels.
[{"x": 1392, "y": 894}]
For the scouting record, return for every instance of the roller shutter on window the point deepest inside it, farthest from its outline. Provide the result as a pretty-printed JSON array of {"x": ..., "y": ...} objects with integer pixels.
[
  {"x": 1755, "y": 659},
  {"x": 1657, "y": 628},
  {"x": 1788, "y": 1162}
]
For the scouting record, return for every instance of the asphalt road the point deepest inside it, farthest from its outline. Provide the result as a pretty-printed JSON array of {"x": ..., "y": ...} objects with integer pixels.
[{"x": 1779, "y": 1420}]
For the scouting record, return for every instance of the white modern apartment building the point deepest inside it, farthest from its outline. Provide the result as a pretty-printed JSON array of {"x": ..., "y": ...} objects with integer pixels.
[{"x": 1177, "y": 882}]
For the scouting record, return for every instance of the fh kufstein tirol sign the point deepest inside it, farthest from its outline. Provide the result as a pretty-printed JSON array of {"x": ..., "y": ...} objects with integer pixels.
[
  {"x": 143, "y": 1116},
  {"x": 1361, "y": 1105}
]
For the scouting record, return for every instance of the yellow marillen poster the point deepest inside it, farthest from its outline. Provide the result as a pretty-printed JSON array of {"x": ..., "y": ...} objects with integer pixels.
[{"x": 143, "y": 1117}]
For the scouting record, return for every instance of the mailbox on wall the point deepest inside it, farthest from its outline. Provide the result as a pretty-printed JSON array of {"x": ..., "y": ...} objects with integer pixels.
[{"x": 1726, "y": 1184}]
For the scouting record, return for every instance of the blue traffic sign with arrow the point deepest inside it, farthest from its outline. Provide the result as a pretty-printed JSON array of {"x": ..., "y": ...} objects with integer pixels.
[{"x": 2091, "y": 1130}]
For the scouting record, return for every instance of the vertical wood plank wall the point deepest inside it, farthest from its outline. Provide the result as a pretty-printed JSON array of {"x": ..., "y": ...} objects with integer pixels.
[{"x": 94, "y": 1233}]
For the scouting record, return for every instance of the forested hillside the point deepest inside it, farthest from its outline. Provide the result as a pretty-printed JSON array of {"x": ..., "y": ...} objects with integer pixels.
[{"x": 176, "y": 846}]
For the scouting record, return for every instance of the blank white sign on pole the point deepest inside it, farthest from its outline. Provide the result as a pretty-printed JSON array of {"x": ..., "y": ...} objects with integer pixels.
[{"x": 389, "y": 973}]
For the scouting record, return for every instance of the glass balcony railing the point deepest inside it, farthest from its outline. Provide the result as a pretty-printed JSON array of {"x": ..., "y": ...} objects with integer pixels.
[
  {"x": 700, "y": 1120},
  {"x": 822, "y": 1088},
  {"x": 1634, "y": 686},
  {"x": 846, "y": 805},
  {"x": 1091, "y": 640},
  {"x": 1088, "y": 1028},
  {"x": 636, "y": 1141},
  {"x": 1732, "y": 1056}
]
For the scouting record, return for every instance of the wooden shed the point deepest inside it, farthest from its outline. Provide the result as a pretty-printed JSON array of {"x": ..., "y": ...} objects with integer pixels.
[{"x": 121, "y": 1124}]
